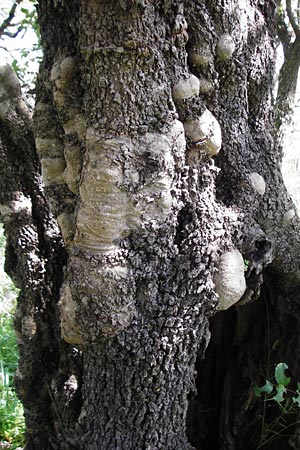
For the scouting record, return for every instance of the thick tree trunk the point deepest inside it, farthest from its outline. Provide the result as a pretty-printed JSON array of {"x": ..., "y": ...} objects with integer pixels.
[
  {"x": 133, "y": 100},
  {"x": 35, "y": 258}
]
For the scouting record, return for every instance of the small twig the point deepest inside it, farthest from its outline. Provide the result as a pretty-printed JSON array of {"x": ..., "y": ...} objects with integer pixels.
[
  {"x": 57, "y": 412},
  {"x": 11, "y": 35},
  {"x": 278, "y": 435},
  {"x": 7, "y": 22}
]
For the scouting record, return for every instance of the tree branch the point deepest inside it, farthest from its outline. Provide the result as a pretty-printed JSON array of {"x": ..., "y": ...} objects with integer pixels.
[
  {"x": 8, "y": 21},
  {"x": 287, "y": 86},
  {"x": 12, "y": 35},
  {"x": 292, "y": 18},
  {"x": 283, "y": 32}
]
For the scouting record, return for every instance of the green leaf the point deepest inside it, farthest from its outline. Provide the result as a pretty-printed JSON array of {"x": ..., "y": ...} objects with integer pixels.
[
  {"x": 280, "y": 376},
  {"x": 267, "y": 388},
  {"x": 296, "y": 399},
  {"x": 280, "y": 389}
]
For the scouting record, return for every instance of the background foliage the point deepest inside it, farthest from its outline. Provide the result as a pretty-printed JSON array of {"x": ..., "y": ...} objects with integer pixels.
[
  {"x": 11, "y": 411},
  {"x": 20, "y": 38}
]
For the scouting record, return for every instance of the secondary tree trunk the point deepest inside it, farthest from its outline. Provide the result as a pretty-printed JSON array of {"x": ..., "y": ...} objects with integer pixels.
[{"x": 134, "y": 99}]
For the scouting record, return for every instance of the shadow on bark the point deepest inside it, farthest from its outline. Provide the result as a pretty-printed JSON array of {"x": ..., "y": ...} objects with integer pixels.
[{"x": 246, "y": 344}]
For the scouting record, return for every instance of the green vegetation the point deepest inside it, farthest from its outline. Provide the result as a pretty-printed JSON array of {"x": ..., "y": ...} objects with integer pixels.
[
  {"x": 20, "y": 46},
  {"x": 287, "y": 403},
  {"x": 20, "y": 38},
  {"x": 11, "y": 411}
]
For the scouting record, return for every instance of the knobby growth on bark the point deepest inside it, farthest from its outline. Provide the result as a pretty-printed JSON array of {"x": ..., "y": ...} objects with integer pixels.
[{"x": 157, "y": 134}]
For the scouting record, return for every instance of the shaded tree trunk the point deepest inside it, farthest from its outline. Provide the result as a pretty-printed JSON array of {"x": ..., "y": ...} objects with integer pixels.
[{"x": 133, "y": 100}]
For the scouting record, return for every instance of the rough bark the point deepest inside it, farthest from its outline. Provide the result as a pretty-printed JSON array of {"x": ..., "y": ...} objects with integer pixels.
[
  {"x": 35, "y": 258},
  {"x": 149, "y": 211}
]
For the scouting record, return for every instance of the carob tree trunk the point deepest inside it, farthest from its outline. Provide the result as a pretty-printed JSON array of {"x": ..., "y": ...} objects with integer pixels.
[{"x": 155, "y": 129}]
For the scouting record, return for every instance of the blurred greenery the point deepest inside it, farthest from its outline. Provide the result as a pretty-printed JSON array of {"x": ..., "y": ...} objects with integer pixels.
[
  {"x": 20, "y": 38},
  {"x": 20, "y": 47},
  {"x": 11, "y": 411}
]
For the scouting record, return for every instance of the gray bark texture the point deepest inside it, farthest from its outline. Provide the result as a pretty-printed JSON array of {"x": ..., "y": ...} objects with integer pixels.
[{"x": 171, "y": 284}]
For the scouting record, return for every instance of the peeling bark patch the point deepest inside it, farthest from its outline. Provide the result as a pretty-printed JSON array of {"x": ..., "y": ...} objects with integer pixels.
[
  {"x": 103, "y": 214},
  {"x": 225, "y": 47},
  {"x": 201, "y": 55},
  {"x": 19, "y": 204},
  {"x": 66, "y": 223},
  {"x": 96, "y": 301},
  {"x": 71, "y": 332},
  {"x": 60, "y": 134},
  {"x": 126, "y": 187},
  {"x": 186, "y": 88},
  {"x": 205, "y": 131},
  {"x": 53, "y": 170},
  {"x": 288, "y": 216},
  {"x": 258, "y": 183},
  {"x": 109, "y": 211},
  {"x": 230, "y": 279}
]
